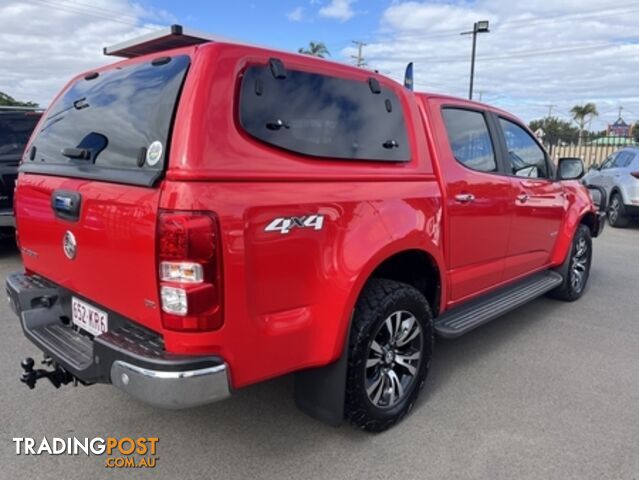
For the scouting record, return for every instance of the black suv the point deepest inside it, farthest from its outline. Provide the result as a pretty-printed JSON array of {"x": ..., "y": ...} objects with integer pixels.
[{"x": 16, "y": 125}]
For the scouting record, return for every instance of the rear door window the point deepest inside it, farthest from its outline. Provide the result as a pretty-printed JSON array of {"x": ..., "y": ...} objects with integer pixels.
[
  {"x": 113, "y": 126},
  {"x": 470, "y": 139},
  {"x": 323, "y": 116}
]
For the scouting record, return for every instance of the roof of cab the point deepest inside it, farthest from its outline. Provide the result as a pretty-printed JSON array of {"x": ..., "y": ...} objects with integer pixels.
[{"x": 465, "y": 101}]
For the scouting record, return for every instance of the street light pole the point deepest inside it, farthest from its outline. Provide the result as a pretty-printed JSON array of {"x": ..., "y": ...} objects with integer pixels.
[{"x": 478, "y": 27}]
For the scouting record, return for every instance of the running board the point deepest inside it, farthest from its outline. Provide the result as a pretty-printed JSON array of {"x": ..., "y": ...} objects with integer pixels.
[{"x": 460, "y": 320}]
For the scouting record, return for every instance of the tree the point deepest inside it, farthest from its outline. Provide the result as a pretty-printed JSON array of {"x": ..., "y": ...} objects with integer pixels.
[
  {"x": 9, "y": 101},
  {"x": 581, "y": 114},
  {"x": 556, "y": 131},
  {"x": 635, "y": 132},
  {"x": 316, "y": 49}
]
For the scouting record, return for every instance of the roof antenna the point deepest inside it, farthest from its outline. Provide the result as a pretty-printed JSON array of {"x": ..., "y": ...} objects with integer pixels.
[{"x": 408, "y": 76}]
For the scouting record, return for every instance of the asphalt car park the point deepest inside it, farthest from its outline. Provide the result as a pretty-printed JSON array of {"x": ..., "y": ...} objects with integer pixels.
[{"x": 551, "y": 390}]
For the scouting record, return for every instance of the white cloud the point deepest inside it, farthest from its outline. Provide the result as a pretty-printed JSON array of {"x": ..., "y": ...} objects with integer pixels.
[
  {"x": 591, "y": 54},
  {"x": 338, "y": 9},
  {"x": 43, "y": 44},
  {"x": 296, "y": 15}
]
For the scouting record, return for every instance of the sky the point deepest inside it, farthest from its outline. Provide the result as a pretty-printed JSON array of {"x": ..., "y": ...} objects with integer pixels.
[{"x": 540, "y": 56}]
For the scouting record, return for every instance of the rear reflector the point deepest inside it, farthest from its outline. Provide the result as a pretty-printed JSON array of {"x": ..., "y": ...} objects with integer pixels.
[{"x": 189, "y": 267}]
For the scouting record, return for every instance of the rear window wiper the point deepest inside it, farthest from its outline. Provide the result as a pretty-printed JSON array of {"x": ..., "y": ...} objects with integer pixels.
[{"x": 79, "y": 153}]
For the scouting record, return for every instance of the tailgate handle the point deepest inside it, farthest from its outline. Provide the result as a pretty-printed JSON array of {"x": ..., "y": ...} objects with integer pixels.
[{"x": 66, "y": 205}]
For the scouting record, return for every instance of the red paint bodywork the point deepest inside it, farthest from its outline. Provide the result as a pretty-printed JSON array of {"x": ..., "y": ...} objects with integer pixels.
[{"x": 288, "y": 298}]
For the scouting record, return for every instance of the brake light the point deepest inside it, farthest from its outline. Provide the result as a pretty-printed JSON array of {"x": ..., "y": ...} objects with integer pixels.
[
  {"x": 635, "y": 174},
  {"x": 189, "y": 268}
]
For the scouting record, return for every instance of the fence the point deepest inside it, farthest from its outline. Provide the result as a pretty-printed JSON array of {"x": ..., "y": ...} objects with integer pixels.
[{"x": 592, "y": 149}]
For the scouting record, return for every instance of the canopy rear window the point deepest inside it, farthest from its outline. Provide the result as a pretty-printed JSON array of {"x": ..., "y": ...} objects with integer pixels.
[
  {"x": 112, "y": 126},
  {"x": 323, "y": 116}
]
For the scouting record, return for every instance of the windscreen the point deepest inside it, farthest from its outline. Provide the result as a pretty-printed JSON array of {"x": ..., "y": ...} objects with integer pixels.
[{"x": 111, "y": 126}]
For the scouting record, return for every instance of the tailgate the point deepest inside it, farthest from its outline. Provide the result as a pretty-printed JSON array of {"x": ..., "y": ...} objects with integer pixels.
[
  {"x": 114, "y": 263},
  {"x": 90, "y": 182}
]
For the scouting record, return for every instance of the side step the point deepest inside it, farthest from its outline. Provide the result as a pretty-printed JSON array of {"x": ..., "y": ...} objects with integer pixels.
[{"x": 464, "y": 318}]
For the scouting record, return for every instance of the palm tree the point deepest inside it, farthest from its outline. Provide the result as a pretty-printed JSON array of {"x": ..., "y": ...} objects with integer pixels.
[
  {"x": 581, "y": 114},
  {"x": 316, "y": 49}
]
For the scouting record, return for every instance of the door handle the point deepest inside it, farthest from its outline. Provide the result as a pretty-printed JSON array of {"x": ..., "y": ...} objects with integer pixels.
[
  {"x": 522, "y": 197},
  {"x": 66, "y": 205},
  {"x": 465, "y": 198}
]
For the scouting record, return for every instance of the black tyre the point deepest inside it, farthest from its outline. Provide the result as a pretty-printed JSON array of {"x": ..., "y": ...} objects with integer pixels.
[
  {"x": 616, "y": 213},
  {"x": 576, "y": 268},
  {"x": 390, "y": 350}
]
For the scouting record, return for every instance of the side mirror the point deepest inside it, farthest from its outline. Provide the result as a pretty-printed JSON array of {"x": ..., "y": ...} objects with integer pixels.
[{"x": 570, "y": 168}]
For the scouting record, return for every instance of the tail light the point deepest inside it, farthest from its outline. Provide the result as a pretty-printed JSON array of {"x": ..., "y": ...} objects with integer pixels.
[
  {"x": 635, "y": 174},
  {"x": 189, "y": 268}
]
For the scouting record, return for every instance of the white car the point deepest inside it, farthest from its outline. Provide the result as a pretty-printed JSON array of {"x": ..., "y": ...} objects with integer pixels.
[{"x": 619, "y": 176}]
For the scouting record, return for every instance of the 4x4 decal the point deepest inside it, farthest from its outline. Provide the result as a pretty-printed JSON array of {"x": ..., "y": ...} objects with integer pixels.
[{"x": 285, "y": 224}]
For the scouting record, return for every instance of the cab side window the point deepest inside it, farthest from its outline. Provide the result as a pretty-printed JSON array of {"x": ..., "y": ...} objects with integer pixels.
[
  {"x": 623, "y": 160},
  {"x": 525, "y": 157},
  {"x": 469, "y": 139}
]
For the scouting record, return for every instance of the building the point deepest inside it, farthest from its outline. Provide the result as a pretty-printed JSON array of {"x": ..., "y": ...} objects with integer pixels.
[{"x": 619, "y": 129}]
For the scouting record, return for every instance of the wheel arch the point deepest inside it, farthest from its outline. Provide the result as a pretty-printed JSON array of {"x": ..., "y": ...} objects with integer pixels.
[
  {"x": 583, "y": 216},
  {"x": 414, "y": 267},
  {"x": 590, "y": 220},
  {"x": 616, "y": 190}
]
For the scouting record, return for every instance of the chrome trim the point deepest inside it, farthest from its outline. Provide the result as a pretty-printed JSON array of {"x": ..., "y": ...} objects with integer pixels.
[{"x": 172, "y": 390}]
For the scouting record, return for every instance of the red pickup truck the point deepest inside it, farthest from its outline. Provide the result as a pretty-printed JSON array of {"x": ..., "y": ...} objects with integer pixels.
[{"x": 199, "y": 219}]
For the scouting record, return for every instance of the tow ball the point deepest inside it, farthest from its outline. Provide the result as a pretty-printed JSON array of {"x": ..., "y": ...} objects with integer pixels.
[{"x": 57, "y": 376}]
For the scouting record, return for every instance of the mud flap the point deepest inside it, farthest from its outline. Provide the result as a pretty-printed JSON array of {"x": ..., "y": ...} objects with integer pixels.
[{"x": 321, "y": 392}]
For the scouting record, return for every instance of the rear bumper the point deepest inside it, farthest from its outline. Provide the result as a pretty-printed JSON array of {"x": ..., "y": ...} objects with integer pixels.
[
  {"x": 128, "y": 356},
  {"x": 632, "y": 210},
  {"x": 171, "y": 389}
]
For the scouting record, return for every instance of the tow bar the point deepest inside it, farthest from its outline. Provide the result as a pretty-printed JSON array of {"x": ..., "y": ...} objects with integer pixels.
[{"x": 58, "y": 376}]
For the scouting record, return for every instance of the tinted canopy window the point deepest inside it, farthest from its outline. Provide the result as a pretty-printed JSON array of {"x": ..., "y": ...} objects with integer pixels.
[
  {"x": 323, "y": 116},
  {"x": 470, "y": 139},
  {"x": 113, "y": 126},
  {"x": 15, "y": 130}
]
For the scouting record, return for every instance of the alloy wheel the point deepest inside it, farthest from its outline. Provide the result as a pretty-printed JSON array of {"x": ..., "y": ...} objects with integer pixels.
[
  {"x": 615, "y": 208},
  {"x": 579, "y": 265},
  {"x": 394, "y": 359}
]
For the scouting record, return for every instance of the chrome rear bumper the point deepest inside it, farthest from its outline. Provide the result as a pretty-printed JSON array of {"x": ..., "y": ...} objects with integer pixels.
[{"x": 172, "y": 389}]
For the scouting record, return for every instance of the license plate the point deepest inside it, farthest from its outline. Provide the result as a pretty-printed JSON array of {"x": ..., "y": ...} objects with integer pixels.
[{"x": 89, "y": 318}]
